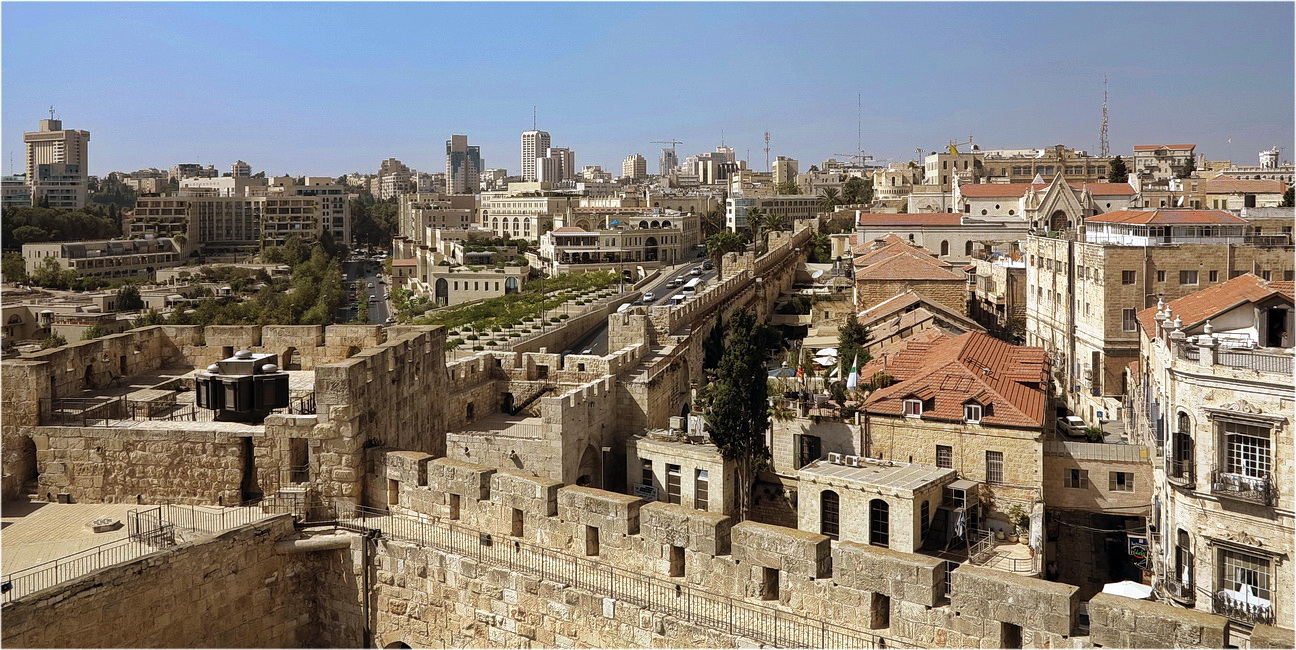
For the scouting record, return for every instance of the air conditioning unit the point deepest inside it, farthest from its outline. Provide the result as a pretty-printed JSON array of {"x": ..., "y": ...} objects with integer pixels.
[
  {"x": 852, "y": 461},
  {"x": 834, "y": 458},
  {"x": 677, "y": 422}
]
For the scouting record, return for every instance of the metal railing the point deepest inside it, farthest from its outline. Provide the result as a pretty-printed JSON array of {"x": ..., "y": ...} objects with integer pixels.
[
  {"x": 1257, "y": 489},
  {"x": 980, "y": 550},
  {"x": 148, "y": 530},
  {"x": 1238, "y": 610},
  {"x": 1182, "y": 592},
  {"x": 302, "y": 404},
  {"x": 104, "y": 412},
  {"x": 761, "y": 623},
  {"x": 1274, "y": 363},
  {"x": 1179, "y": 472}
]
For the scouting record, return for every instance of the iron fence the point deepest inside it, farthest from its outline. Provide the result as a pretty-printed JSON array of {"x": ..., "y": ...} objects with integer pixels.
[
  {"x": 1259, "y": 489},
  {"x": 765, "y": 624},
  {"x": 47, "y": 574},
  {"x": 1274, "y": 363}
]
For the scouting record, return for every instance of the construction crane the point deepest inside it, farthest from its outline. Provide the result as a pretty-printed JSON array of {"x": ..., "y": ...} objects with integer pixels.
[
  {"x": 671, "y": 142},
  {"x": 953, "y": 146}
]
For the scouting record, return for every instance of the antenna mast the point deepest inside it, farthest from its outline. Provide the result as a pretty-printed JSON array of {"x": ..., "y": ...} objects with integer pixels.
[
  {"x": 767, "y": 163},
  {"x": 859, "y": 127},
  {"x": 1102, "y": 138},
  {"x": 533, "y": 117}
]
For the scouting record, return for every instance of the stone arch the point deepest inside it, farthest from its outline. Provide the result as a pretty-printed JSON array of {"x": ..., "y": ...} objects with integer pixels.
[
  {"x": 442, "y": 292},
  {"x": 510, "y": 285},
  {"x": 590, "y": 473},
  {"x": 1059, "y": 221},
  {"x": 291, "y": 359},
  {"x": 398, "y": 644}
]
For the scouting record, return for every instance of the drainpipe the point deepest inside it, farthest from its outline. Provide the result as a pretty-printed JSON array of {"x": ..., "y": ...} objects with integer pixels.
[{"x": 367, "y": 633}]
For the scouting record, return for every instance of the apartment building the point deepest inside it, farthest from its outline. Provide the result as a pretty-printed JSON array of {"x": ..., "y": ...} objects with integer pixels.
[
  {"x": 1212, "y": 394},
  {"x": 634, "y": 167},
  {"x": 419, "y": 212},
  {"x": 266, "y": 216},
  {"x": 784, "y": 170},
  {"x": 394, "y": 179},
  {"x": 58, "y": 161},
  {"x": 220, "y": 186},
  {"x": 1020, "y": 166},
  {"x": 1233, "y": 194},
  {"x": 941, "y": 168},
  {"x": 997, "y": 294},
  {"x": 893, "y": 184},
  {"x": 106, "y": 258},
  {"x": 16, "y": 192},
  {"x": 1154, "y": 164},
  {"x": 790, "y": 206},
  {"x": 240, "y": 169},
  {"x": 463, "y": 166},
  {"x": 1084, "y": 289},
  {"x": 523, "y": 216},
  {"x": 649, "y": 240},
  {"x": 971, "y": 403}
]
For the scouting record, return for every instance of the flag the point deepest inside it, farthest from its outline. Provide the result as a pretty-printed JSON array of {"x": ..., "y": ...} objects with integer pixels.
[
  {"x": 616, "y": 221},
  {"x": 958, "y": 527},
  {"x": 852, "y": 379},
  {"x": 801, "y": 364}
]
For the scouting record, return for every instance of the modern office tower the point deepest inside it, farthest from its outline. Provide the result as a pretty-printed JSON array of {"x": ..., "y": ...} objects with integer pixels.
[
  {"x": 463, "y": 165},
  {"x": 66, "y": 155},
  {"x": 535, "y": 144},
  {"x": 566, "y": 160},
  {"x": 668, "y": 161}
]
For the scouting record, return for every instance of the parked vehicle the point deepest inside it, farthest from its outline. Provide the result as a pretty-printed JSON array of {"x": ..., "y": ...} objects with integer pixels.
[{"x": 1071, "y": 426}]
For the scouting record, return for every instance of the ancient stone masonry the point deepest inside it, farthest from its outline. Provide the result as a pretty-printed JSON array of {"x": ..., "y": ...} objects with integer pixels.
[
  {"x": 113, "y": 419},
  {"x": 440, "y": 597}
]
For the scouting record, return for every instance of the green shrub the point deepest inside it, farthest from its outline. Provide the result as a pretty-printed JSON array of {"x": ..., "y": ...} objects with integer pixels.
[
  {"x": 473, "y": 337},
  {"x": 478, "y": 348}
]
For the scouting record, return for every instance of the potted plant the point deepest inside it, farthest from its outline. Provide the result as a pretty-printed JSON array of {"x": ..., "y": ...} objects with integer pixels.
[{"x": 1017, "y": 515}]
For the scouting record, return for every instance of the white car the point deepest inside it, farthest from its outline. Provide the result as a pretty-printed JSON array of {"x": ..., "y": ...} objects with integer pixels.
[
  {"x": 1071, "y": 426},
  {"x": 649, "y": 297}
]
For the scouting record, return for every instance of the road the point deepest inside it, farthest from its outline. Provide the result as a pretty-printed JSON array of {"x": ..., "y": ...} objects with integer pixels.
[
  {"x": 368, "y": 273},
  {"x": 597, "y": 340}
]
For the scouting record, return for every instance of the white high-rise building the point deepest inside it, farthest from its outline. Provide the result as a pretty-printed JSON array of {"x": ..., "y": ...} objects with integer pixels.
[
  {"x": 634, "y": 167},
  {"x": 549, "y": 169},
  {"x": 668, "y": 161},
  {"x": 535, "y": 144},
  {"x": 65, "y": 153}
]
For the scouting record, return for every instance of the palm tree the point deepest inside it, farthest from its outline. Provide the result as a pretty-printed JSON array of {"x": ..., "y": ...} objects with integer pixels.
[
  {"x": 775, "y": 222},
  {"x": 724, "y": 242},
  {"x": 756, "y": 222},
  {"x": 713, "y": 221},
  {"x": 829, "y": 199}
]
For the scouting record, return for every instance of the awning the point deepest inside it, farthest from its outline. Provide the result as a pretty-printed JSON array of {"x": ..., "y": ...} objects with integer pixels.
[{"x": 1128, "y": 589}]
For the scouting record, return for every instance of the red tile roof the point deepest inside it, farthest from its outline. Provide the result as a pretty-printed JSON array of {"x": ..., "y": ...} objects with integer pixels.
[
  {"x": 1163, "y": 216},
  {"x": 908, "y": 266},
  {"x": 1231, "y": 185},
  {"x": 1154, "y": 147},
  {"x": 912, "y": 219},
  {"x": 405, "y": 262},
  {"x": 570, "y": 229},
  {"x": 973, "y": 367},
  {"x": 1199, "y": 306},
  {"x": 1106, "y": 189}
]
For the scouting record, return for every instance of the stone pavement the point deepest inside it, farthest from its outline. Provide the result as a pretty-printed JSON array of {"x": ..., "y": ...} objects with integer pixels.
[{"x": 39, "y": 532}]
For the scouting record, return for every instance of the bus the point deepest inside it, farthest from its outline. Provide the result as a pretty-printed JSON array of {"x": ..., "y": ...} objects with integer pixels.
[{"x": 692, "y": 286}]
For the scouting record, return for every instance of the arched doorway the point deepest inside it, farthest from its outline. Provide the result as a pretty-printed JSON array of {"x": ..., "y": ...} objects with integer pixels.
[
  {"x": 650, "y": 249},
  {"x": 1058, "y": 221},
  {"x": 510, "y": 285},
  {"x": 442, "y": 292},
  {"x": 590, "y": 473},
  {"x": 291, "y": 360},
  {"x": 397, "y": 644}
]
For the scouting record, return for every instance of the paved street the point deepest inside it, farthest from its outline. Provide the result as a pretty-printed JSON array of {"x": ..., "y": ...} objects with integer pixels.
[
  {"x": 370, "y": 274},
  {"x": 597, "y": 340}
]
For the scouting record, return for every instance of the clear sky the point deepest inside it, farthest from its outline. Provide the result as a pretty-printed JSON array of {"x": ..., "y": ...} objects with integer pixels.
[{"x": 331, "y": 88}]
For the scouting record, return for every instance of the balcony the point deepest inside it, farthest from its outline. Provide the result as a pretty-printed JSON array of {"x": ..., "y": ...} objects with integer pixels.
[
  {"x": 1181, "y": 592},
  {"x": 1180, "y": 472},
  {"x": 1258, "y": 361},
  {"x": 1259, "y": 490},
  {"x": 1243, "y": 607}
]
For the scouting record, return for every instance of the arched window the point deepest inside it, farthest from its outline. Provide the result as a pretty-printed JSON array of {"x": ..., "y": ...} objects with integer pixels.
[
  {"x": 967, "y": 248},
  {"x": 829, "y": 513},
  {"x": 944, "y": 247},
  {"x": 1183, "y": 559},
  {"x": 879, "y": 523}
]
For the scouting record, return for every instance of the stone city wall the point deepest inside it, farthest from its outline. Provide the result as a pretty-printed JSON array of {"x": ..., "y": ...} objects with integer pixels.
[{"x": 230, "y": 591}]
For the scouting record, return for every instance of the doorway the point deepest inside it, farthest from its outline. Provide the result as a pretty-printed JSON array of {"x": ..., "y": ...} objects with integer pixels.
[{"x": 250, "y": 488}]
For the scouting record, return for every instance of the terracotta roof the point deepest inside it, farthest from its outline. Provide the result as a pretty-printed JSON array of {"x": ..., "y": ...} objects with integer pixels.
[
  {"x": 908, "y": 266},
  {"x": 1198, "y": 306},
  {"x": 991, "y": 190},
  {"x": 1154, "y": 147},
  {"x": 1162, "y": 216},
  {"x": 1106, "y": 189},
  {"x": 954, "y": 371},
  {"x": 895, "y": 246},
  {"x": 912, "y": 219},
  {"x": 910, "y": 302},
  {"x": 406, "y": 262},
  {"x": 1230, "y": 185},
  {"x": 570, "y": 229}
]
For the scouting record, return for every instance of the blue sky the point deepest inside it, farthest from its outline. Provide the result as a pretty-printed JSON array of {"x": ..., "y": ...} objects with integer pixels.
[{"x": 330, "y": 88}]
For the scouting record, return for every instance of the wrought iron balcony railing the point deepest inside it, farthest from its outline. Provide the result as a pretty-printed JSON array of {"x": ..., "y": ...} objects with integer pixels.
[{"x": 1255, "y": 489}]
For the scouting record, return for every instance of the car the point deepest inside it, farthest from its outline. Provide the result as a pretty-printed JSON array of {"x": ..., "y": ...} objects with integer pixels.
[
  {"x": 587, "y": 351},
  {"x": 386, "y": 296},
  {"x": 695, "y": 271},
  {"x": 1071, "y": 426},
  {"x": 373, "y": 298},
  {"x": 707, "y": 266},
  {"x": 371, "y": 285},
  {"x": 649, "y": 297},
  {"x": 391, "y": 319}
]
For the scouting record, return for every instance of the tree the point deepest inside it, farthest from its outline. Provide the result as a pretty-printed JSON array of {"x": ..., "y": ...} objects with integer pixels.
[
  {"x": 1288, "y": 198},
  {"x": 148, "y": 318},
  {"x": 858, "y": 190},
  {"x": 1119, "y": 173},
  {"x": 737, "y": 401},
  {"x": 851, "y": 337},
  {"x": 830, "y": 198},
  {"x": 724, "y": 242},
  {"x": 53, "y": 341},
  {"x": 95, "y": 331},
  {"x": 49, "y": 273},
  {"x": 14, "y": 269},
  {"x": 128, "y": 298},
  {"x": 820, "y": 249},
  {"x": 787, "y": 187},
  {"x": 713, "y": 221},
  {"x": 1189, "y": 168}
]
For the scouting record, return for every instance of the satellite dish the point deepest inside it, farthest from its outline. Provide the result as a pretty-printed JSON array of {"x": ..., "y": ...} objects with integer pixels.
[{"x": 817, "y": 274}]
